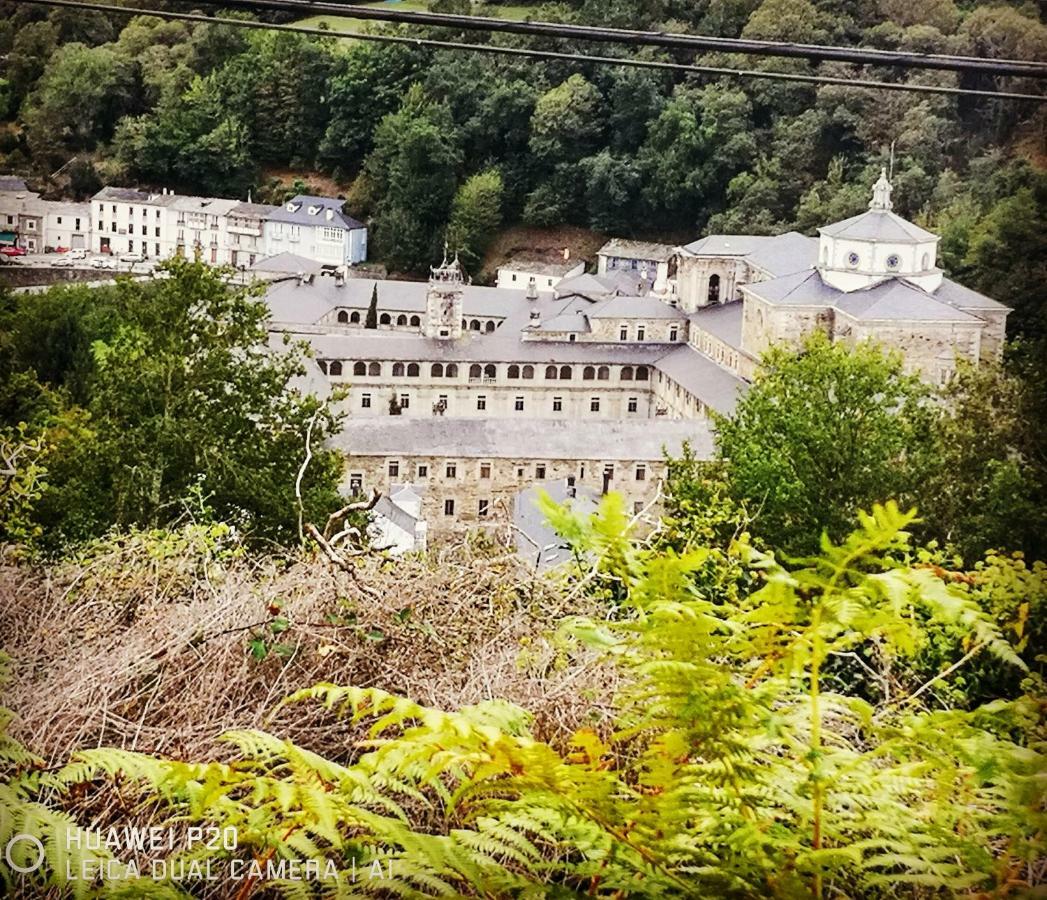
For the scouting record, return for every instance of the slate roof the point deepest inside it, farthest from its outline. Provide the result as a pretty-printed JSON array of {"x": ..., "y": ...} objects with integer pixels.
[
  {"x": 878, "y": 225},
  {"x": 721, "y": 320},
  {"x": 213, "y": 206},
  {"x": 626, "y": 249},
  {"x": 892, "y": 298},
  {"x": 252, "y": 210},
  {"x": 600, "y": 439},
  {"x": 697, "y": 373},
  {"x": 964, "y": 298},
  {"x": 634, "y": 308},
  {"x": 542, "y": 266},
  {"x": 291, "y": 264},
  {"x": 542, "y": 543},
  {"x": 134, "y": 195},
  {"x": 777, "y": 255},
  {"x": 895, "y": 299},
  {"x": 12, "y": 183},
  {"x": 288, "y": 299},
  {"x": 302, "y": 216}
]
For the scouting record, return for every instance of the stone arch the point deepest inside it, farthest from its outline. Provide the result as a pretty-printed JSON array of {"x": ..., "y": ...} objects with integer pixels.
[
  {"x": 714, "y": 288},
  {"x": 385, "y": 319},
  {"x": 398, "y": 370},
  {"x": 437, "y": 370},
  {"x": 359, "y": 368},
  {"x": 550, "y": 373},
  {"x": 566, "y": 373},
  {"x": 401, "y": 320},
  {"x": 334, "y": 368},
  {"x": 413, "y": 370},
  {"x": 374, "y": 368},
  {"x": 627, "y": 373},
  {"x": 343, "y": 317},
  {"x": 354, "y": 319}
]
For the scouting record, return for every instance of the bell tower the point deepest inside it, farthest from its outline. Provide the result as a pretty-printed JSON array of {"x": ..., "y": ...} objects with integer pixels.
[{"x": 443, "y": 300}]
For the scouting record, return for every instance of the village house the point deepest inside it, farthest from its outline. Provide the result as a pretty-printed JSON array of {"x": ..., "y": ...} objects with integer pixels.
[
  {"x": 316, "y": 228},
  {"x": 544, "y": 275}
]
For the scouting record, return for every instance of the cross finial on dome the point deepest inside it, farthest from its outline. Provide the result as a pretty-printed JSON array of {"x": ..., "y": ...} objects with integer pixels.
[{"x": 881, "y": 192}]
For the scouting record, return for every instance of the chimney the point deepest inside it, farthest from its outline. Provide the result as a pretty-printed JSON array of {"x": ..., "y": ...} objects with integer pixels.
[
  {"x": 339, "y": 277},
  {"x": 532, "y": 290},
  {"x": 536, "y": 319},
  {"x": 299, "y": 275},
  {"x": 566, "y": 254}
]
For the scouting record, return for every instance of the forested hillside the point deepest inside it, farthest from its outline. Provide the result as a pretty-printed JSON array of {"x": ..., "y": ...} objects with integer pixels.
[{"x": 412, "y": 134}]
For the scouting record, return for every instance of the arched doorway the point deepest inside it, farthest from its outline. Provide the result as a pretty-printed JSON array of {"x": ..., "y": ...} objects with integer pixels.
[{"x": 714, "y": 289}]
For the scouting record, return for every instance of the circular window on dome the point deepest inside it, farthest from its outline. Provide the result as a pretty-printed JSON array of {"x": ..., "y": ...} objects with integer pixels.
[
  {"x": 893, "y": 261},
  {"x": 852, "y": 260}
]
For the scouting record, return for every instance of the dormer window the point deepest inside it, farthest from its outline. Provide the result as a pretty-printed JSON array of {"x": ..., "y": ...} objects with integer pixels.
[
  {"x": 313, "y": 210},
  {"x": 293, "y": 207}
]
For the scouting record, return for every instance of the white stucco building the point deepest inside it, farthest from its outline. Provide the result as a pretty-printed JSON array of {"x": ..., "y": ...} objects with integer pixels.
[{"x": 316, "y": 228}]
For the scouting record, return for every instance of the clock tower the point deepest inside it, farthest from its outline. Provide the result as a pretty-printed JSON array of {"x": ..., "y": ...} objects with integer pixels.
[{"x": 443, "y": 301}]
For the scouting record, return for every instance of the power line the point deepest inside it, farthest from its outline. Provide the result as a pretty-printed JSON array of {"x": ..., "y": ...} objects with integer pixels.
[
  {"x": 545, "y": 54},
  {"x": 813, "y": 52}
]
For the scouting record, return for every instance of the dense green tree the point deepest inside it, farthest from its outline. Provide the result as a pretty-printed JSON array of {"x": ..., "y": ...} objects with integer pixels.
[
  {"x": 476, "y": 214},
  {"x": 612, "y": 192},
  {"x": 988, "y": 487},
  {"x": 156, "y": 366},
  {"x": 77, "y": 101},
  {"x": 411, "y": 172},
  {"x": 191, "y": 140},
  {"x": 28, "y": 57},
  {"x": 821, "y": 434},
  {"x": 371, "y": 321},
  {"x": 368, "y": 85},
  {"x": 566, "y": 122},
  {"x": 701, "y": 139}
]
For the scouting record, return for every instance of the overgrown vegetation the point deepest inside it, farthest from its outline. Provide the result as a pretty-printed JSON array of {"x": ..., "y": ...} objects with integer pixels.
[
  {"x": 144, "y": 402},
  {"x": 731, "y": 768},
  {"x": 406, "y": 129}
]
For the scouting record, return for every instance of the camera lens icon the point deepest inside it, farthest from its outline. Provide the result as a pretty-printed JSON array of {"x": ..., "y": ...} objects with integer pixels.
[{"x": 24, "y": 839}]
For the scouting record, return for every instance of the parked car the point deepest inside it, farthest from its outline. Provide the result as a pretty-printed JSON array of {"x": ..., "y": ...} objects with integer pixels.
[
  {"x": 78, "y": 253},
  {"x": 130, "y": 258},
  {"x": 101, "y": 262},
  {"x": 12, "y": 251},
  {"x": 63, "y": 262}
]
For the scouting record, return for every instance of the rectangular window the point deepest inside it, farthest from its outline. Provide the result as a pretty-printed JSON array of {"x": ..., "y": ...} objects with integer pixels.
[
  {"x": 633, "y": 404},
  {"x": 640, "y": 332},
  {"x": 451, "y": 471},
  {"x": 131, "y": 228},
  {"x": 59, "y": 220},
  {"x": 623, "y": 333},
  {"x": 112, "y": 227},
  {"x": 637, "y": 507},
  {"x": 157, "y": 249},
  {"x": 423, "y": 470},
  {"x": 481, "y": 402},
  {"x": 356, "y": 483},
  {"x": 482, "y": 508},
  {"x": 130, "y": 246},
  {"x": 442, "y": 401},
  {"x": 448, "y": 507},
  {"x": 157, "y": 231},
  {"x": 30, "y": 225},
  {"x": 365, "y": 401},
  {"x": 557, "y": 404},
  {"x": 101, "y": 209},
  {"x": 641, "y": 473},
  {"x": 518, "y": 404},
  {"x": 674, "y": 333},
  {"x": 394, "y": 469},
  {"x": 77, "y": 224},
  {"x": 485, "y": 470},
  {"x": 539, "y": 471},
  {"x": 405, "y": 401},
  {"x": 594, "y": 404}
]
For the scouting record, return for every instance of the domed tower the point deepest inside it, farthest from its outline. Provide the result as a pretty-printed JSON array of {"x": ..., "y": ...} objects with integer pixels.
[
  {"x": 443, "y": 300},
  {"x": 875, "y": 245}
]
